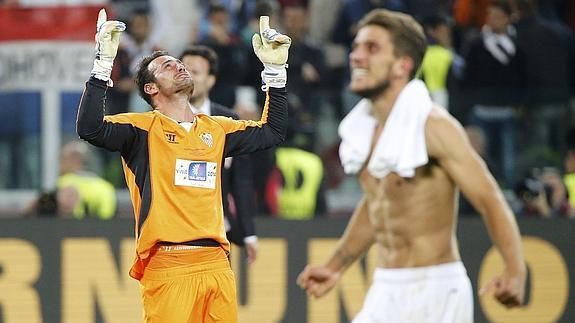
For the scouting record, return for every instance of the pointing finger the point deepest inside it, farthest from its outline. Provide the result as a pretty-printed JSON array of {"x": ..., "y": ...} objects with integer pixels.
[
  {"x": 102, "y": 17},
  {"x": 264, "y": 23}
]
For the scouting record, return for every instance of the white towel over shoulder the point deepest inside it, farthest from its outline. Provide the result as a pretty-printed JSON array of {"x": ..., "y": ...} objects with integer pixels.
[{"x": 401, "y": 146}]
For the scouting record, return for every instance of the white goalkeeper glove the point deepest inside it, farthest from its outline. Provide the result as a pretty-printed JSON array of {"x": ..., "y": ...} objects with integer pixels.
[
  {"x": 271, "y": 48},
  {"x": 107, "y": 41}
]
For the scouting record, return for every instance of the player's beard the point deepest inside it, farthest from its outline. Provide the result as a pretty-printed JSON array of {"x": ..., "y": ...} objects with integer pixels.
[
  {"x": 374, "y": 91},
  {"x": 377, "y": 89},
  {"x": 186, "y": 87}
]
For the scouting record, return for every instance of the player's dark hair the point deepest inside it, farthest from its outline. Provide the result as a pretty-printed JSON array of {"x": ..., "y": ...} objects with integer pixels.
[{"x": 145, "y": 76}]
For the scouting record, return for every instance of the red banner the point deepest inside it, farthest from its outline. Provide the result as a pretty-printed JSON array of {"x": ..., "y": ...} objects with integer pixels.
[{"x": 68, "y": 23}]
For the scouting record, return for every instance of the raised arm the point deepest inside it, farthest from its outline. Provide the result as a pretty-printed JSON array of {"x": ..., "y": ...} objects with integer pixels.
[
  {"x": 91, "y": 124},
  {"x": 448, "y": 141},
  {"x": 246, "y": 136},
  {"x": 243, "y": 137}
]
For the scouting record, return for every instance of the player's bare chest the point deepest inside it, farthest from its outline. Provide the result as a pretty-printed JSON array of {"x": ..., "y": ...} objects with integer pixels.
[
  {"x": 392, "y": 185},
  {"x": 396, "y": 187}
]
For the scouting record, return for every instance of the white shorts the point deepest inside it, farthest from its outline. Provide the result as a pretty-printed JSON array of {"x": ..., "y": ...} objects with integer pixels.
[{"x": 434, "y": 294}]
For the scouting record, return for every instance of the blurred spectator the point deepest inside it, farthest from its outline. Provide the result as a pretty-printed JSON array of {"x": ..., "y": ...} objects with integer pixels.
[
  {"x": 532, "y": 199},
  {"x": 492, "y": 85},
  {"x": 79, "y": 193},
  {"x": 343, "y": 32},
  {"x": 239, "y": 12},
  {"x": 296, "y": 188},
  {"x": 134, "y": 44},
  {"x": 237, "y": 187},
  {"x": 227, "y": 46},
  {"x": 352, "y": 11},
  {"x": 543, "y": 195},
  {"x": 441, "y": 66},
  {"x": 306, "y": 67},
  {"x": 97, "y": 196},
  {"x": 548, "y": 75},
  {"x": 557, "y": 194}
]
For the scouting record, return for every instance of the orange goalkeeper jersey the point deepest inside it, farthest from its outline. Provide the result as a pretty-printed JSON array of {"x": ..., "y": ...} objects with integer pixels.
[{"x": 174, "y": 175}]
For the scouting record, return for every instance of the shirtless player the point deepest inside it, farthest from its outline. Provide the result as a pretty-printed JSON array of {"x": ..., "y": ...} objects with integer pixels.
[{"x": 412, "y": 219}]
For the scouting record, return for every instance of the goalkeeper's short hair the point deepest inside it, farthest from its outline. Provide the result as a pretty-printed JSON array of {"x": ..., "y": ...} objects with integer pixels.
[{"x": 144, "y": 75}]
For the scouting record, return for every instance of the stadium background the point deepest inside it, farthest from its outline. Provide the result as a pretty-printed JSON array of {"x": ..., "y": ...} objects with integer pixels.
[{"x": 55, "y": 270}]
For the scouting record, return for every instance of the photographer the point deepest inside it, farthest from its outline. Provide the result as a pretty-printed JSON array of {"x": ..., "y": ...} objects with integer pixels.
[{"x": 543, "y": 195}]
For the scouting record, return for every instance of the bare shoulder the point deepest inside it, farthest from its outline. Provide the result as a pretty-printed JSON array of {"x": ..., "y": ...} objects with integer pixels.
[{"x": 443, "y": 132}]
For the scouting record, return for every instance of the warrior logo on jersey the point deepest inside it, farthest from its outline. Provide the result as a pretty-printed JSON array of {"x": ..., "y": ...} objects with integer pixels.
[
  {"x": 171, "y": 137},
  {"x": 207, "y": 138}
]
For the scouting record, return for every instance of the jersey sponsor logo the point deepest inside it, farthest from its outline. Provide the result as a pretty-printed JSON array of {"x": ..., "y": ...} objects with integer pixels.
[
  {"x": 207, "y": 139},
  {"x": 171, "y": 137},
  {"x": 195, "y": 173}
]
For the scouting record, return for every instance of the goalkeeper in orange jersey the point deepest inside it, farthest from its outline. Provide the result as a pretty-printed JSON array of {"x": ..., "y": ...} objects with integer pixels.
[{"x": 172, "y": 160}]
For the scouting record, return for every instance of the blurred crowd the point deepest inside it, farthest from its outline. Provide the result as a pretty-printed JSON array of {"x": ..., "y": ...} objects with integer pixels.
[{"x": 504, "y": 68}]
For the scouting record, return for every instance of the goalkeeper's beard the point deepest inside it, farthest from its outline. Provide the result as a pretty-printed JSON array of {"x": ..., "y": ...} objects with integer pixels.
[{"x": 186, "y": 86}]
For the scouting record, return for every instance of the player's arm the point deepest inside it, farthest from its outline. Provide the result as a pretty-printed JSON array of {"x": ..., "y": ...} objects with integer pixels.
[
  {"x": 357, "y": 238},
  {"x": 243, "y": 137},
  {"x": 91, "y": 125},
  {"x": 447, "y": 141},
  {"x": 247, "y": 136}
]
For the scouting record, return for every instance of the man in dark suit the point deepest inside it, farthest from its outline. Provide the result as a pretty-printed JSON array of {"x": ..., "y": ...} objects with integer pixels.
[{"x": 237, "y": 186}]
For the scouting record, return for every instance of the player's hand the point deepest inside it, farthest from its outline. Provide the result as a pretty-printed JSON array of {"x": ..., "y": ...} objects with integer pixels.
[
  {"x": 270, "y": 46},
  {"x": 508, "y": 288},
  {"x": 107, "y": 36},
  {"x": 107, "y": 42},
  {"x": 252, "y": 249},
  {"x": 317, "y": 280}
]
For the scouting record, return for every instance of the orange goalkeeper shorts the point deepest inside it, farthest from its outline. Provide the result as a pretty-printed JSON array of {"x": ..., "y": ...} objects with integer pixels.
[{"x": 188, "y": 284}]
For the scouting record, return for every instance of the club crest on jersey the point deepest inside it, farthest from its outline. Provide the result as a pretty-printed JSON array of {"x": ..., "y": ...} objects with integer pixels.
[{"x": 207, "y": 139}]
